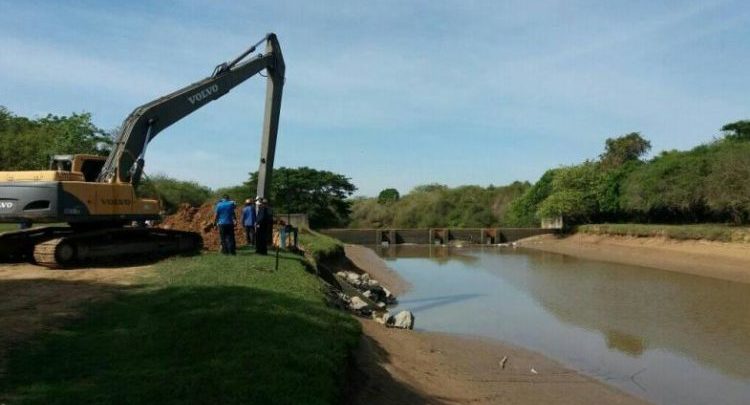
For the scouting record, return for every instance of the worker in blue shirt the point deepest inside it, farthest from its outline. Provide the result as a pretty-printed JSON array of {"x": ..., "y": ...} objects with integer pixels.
[
  {"x": 248, "y": 221},
  {"x": 225, "y": 220}
]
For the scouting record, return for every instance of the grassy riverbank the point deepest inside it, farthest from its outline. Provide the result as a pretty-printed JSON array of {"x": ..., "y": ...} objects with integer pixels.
[
  {"x": 207, "y": 329},
  {"x": 711, "y": 232}
]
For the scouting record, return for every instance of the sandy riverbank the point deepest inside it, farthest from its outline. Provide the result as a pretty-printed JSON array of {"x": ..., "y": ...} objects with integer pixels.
[
  {"x": 726, "y": 261},
  {"x": 409, "y": 367}
]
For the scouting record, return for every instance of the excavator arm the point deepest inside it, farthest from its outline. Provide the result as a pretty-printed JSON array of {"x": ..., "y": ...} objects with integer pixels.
[{"x": 126, "y": 161}]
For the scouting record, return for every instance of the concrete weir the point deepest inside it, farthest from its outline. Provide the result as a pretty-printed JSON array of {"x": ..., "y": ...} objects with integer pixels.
[{"x": 429, "y": 236}]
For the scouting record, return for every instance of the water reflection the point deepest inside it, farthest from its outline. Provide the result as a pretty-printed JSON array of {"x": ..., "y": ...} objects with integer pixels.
[
  {"x": 637, "y": 308},
  {"x": 670, "y": 337},
  {"x": 628, "y": 344},
  {"x": 438, "y": 253},
  {"x": 434, "y": 302}
]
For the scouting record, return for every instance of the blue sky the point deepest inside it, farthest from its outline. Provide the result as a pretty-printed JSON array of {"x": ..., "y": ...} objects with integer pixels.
[{"x": 392, "y": 93}]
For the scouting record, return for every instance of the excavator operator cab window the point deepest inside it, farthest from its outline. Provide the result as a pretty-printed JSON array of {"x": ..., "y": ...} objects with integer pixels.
[
  {"x": 61, "y": 163},
  {"x": 91, "y": 169}
]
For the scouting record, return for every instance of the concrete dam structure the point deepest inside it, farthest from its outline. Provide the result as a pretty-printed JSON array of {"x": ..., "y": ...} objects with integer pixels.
[{"x": 430, "y": 236}]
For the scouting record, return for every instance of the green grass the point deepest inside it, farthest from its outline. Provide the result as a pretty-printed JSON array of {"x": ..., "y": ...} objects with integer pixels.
[
  {"x": 209, "y": 329},
  {"x": 14, "y": 227},
  {"x": 713, "y": 232},
  {"x": 8, "y": 227},
  {"x": 320, "y": 246}
]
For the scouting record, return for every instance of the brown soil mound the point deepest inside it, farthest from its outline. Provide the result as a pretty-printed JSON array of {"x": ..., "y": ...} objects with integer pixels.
[{"x": 201, "y": 220}]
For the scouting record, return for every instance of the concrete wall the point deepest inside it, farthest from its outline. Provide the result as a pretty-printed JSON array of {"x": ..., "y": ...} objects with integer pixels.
[
  {"x": 552, "y": 223},
  {"x": 435, "y": 235},
  {"x": 295, "y": 220}
]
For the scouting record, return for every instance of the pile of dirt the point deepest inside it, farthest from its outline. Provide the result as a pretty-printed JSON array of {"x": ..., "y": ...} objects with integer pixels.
[{"x": 201, "y": 220}]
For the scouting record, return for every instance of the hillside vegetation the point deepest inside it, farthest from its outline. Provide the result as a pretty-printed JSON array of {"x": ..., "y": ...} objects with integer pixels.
[
  {"x": 708, "y": 183},
  {"x": 437, "y": 205}
]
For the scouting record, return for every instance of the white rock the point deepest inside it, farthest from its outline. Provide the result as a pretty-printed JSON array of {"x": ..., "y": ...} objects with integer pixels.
[
  {"x": 403, "y": 320},
  {"x": 341, "y": 274},
  {"x": 367, "y": 294},
  {"x": 353, "y": 278},
  {"x": 373, "y": 283},
  {"x": 365, "y": 278},
  {"x": 381, "y": 319},
  {"x": 387, "y": 293},
  {"x": 357, "y": 303},
  {"x": 381, "y": 304}
]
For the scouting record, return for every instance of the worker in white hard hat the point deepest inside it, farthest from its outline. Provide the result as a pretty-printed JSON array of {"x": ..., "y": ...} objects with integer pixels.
[{"x": 248, "y": 221}]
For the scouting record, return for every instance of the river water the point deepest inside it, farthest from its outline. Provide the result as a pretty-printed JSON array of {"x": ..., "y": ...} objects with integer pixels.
[{"x": 666, "y": 337}]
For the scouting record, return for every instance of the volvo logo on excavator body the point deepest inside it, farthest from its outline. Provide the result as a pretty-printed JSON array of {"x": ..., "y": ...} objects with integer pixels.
[
  {"x": 6, "y": 205},
  {"x": 205, "y": 93}
]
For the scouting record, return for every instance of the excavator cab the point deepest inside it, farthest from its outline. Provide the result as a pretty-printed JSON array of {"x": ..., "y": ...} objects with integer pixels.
[{"x": 88, "y": 166}]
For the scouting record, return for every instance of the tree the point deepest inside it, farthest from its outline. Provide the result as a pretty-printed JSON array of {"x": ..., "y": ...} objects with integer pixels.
[
  {"x": 670, "y": 187},
  {"x": 572, "y": 205},
  {"x": 28, "y": 143},
  {"x": 727, "y": 185},
  {"x": 172, "y": 193},
  {"x": 623, "y": 149},
  {"x": 576, "y": 193},
  {"x": 388, "y": 195},
  {"x": 523, "y": 210},
  {"x": 738, "y": 131},
  {"x": 320, "y": 194}
]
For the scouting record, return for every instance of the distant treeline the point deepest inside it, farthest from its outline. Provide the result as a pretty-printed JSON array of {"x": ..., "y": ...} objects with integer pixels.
[
  {"x": 710, "y": 183},
  {"x": 437, "y": 205}
]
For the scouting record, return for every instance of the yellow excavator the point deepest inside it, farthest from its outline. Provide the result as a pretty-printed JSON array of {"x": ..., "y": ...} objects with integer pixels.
[{"x": 96, "y": 195}]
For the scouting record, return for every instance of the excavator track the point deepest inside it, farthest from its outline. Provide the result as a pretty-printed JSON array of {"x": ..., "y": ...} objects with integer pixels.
[
  {"x": 70, "y": 248},
  {"x": 19, "y": 246},
  {"x": 52, "y": 253}
]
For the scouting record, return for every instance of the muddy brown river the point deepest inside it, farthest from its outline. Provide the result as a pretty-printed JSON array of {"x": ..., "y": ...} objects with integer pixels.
[{"x": 666, "y": 337}]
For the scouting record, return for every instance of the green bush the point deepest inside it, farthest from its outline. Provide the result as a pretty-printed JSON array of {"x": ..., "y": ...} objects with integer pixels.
[{"x": 172, "y": 192}]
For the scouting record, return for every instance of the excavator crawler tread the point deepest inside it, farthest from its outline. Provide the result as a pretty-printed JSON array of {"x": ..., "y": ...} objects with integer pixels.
[{"x": 44, "y": 253}]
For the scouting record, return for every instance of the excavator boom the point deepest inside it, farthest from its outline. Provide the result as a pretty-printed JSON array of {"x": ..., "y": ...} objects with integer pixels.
[{"x": 125, "y": 162}]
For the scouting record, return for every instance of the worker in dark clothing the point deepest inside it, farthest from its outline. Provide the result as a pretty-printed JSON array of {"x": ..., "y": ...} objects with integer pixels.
[
  {"x": 225, "y": 220},
  {"x": 263, "y": 226},
  {"x": 248, "y": 221}
]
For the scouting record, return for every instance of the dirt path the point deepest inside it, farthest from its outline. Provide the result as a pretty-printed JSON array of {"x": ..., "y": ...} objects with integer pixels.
[
  {"x": 407, "y": 367},
  {"x": 34, "y": 299},
  {"x": 727, "y": 261}
]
